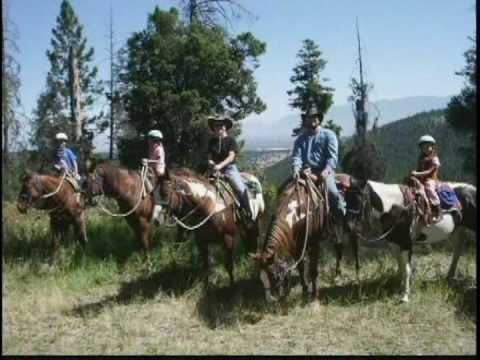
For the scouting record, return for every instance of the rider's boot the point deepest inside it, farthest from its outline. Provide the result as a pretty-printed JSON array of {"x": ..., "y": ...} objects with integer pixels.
[{"x": 435, "y": 213}]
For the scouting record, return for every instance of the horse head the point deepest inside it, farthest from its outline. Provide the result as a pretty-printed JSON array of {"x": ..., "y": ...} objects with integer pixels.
[
  {"x": 273, "y": 274},
  {"x": 93, "y": 184},
  {"x": 29, "y": 191}
]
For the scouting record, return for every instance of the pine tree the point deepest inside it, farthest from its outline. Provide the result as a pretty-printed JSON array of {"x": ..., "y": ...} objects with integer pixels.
[
  {"x": 462, "y": 110},
  {"x": 71, "y": 89},
  {"x": 175, "y": 76},
  {"x": 309, "y": 88}
]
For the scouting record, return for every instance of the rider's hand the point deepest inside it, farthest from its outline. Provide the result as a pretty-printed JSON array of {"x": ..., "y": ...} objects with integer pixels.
[
  {"x": 296, "y": 174},
  {"x": 211, "y": 163},
  {"x": 307, "y": 172},
  {"x": 217, "y": 167},
  {"x": 145, "y": 162},
  {"x": 325, "y": 173}
]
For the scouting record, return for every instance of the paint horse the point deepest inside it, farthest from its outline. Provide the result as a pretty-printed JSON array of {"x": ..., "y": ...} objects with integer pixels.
[
  {"x": 298, "y": 226},
  {"x": 58, "y": 197},
  {"x": 212, "y": 212},
  {"x": 393, "y": 209}
]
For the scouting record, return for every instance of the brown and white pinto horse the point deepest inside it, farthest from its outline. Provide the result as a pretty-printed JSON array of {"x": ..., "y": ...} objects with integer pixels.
[
  {"x": 299, "y": 207},
  {"x": 390, "y": 210},
  {"x": 57, "y": 197},
  {"x": 211, "y": 214}
]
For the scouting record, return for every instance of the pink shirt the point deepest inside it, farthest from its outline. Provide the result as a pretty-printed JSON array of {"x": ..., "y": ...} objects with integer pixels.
[{"x": 157, "y": 153}]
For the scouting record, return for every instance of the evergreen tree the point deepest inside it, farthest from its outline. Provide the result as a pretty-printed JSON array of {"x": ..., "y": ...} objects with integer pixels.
[
  {"x": 10, "y": 87},
  {"x": 461, "y": 110},
  {"x": 71, "y": 89},
  {"x": 175, "y": 76},
  {"x": 309, "y": 88}
]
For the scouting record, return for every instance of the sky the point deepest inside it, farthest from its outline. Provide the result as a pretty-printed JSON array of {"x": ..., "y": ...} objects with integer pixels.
[{"x": 409, "y": 47}]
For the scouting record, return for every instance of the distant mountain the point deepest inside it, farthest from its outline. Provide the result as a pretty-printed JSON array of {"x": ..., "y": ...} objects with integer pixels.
[
  {"x": 397, "y": 142},
  {"x": 277, "y": 133}
]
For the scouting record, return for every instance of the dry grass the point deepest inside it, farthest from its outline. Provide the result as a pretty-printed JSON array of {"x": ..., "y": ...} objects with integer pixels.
[{"x": 101, "y": 303}]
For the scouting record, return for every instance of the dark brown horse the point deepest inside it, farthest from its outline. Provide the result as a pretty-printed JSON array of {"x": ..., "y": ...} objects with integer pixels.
[
  {"x": 297, "y": 228},
  {"x": 57, "y": 197},
  {"x": 211, "y": 214},
  {"x": 125, "y": 186}
]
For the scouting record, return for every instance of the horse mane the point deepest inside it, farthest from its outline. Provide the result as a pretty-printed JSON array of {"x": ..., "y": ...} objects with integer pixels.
[{"x": 186, "y": 172}]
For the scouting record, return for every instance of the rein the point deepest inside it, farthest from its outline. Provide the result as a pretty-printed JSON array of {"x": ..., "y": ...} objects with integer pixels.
[
  {"x": 201, "y": 223},
  {"x": 46, "y": 196},
  {"x": 310, "y": 186},
  {"x": 143, "y": 175}
]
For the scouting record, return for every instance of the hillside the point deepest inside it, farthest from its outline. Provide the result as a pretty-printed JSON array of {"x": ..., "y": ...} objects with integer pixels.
[
  {"x": 398, "y": 143},
  {"x": 261, "y": 133}
]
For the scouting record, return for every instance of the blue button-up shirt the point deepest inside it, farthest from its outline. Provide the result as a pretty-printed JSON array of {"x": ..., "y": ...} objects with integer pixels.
[
  {"x": 68, "y": 157},
  {"x": 315, "y": 150}
]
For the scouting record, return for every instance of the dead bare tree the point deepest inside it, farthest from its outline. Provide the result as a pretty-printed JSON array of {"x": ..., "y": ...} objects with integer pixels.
[{"x": 214, "y": 12}]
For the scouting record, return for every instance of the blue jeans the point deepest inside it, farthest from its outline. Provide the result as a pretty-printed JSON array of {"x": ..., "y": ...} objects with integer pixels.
[
  {"x": 335, "y": 196},
  {"x": 233, "y": 175}
]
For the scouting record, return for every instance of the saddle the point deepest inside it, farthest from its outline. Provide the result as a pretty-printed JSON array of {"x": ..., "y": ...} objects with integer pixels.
[
  {"x": 448, "y": 200},
  {"x": 225, "y": 189},
  {"x": 75, "y": 185}
]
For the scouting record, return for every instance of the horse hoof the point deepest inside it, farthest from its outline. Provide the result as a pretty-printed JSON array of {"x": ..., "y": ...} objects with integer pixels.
[{"x": 404, "y": 299}]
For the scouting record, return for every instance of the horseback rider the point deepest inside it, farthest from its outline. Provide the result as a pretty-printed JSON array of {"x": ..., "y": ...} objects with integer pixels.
[
  {"x": 222, "y": 151},
  {"x": 156, "y": 162},
  {"x": 427, "y": 171},
  {"x": 65, "y": 159},
  {"x": 315, "y": 154}
]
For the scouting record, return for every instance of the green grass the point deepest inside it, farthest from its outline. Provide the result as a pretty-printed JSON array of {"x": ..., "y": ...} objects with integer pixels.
[{"x": 103, "y": 302}]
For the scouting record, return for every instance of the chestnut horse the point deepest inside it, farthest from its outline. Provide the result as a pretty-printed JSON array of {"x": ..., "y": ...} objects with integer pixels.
[
  {"x": 125, "y": 186},
  {"x": 298, "y": 226},
  {"x": 59, "y": 199},
  {"x": 211, "y": 212}
]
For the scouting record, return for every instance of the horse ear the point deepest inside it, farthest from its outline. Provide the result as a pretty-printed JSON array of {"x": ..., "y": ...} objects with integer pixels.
[{"x": 91, "y": 164}]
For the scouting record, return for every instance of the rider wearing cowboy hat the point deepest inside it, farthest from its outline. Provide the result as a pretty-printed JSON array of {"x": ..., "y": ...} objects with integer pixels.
[
  {"x": 427, "y": 171},
  {"x": 156, "y": 161},
  {"x": 315, "y": 154},
  {"x": 222, "y": 150},
  {"x": 65, "y": 159}
]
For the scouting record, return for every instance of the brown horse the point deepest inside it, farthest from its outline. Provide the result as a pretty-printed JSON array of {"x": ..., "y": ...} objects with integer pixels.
[
  {"x": 125, "y": 186},
  {"x": 212, "y": 213},
  {"x": 58, "y": 197},
  {"x": 297, "y": 227}
]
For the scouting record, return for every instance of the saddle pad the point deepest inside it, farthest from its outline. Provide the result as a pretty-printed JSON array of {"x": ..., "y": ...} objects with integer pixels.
[
  {"x": 448, "y": 198},
  {"x": 252, "y": 186}
]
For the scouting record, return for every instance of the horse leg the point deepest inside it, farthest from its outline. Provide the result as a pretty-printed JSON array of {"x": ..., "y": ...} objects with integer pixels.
[
  {"x": 229, "y": 246},
  {"x": 301, "y": 271},
  {"x": 252, "y": 238},
  {"x": 457, "y": 250},
  {"x": 404, "y": 270},
  {"x": 404, "y": 260},
  {"x": 55, "y": 229},
  {"x": 313, "y": 269},
  {"x": 145, "y": 230},
  {"x": 81, "y": 229},
  {"x": 339, "y": 255},
  {"x": 202, "y": 243},
  {"x": 354, "y": 243}
]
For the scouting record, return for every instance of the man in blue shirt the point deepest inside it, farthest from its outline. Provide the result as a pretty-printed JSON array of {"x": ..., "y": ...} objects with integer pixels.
[
  {"x": 65, "y": 159},
  {"x": 315, "y": 154}
]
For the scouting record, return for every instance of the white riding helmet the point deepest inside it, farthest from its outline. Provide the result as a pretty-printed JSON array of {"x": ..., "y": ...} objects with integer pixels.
[
  {"x": 156, "y": 134},
  {"x": 61, "y": 136},
  {"x": 426, "y": 139}
]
